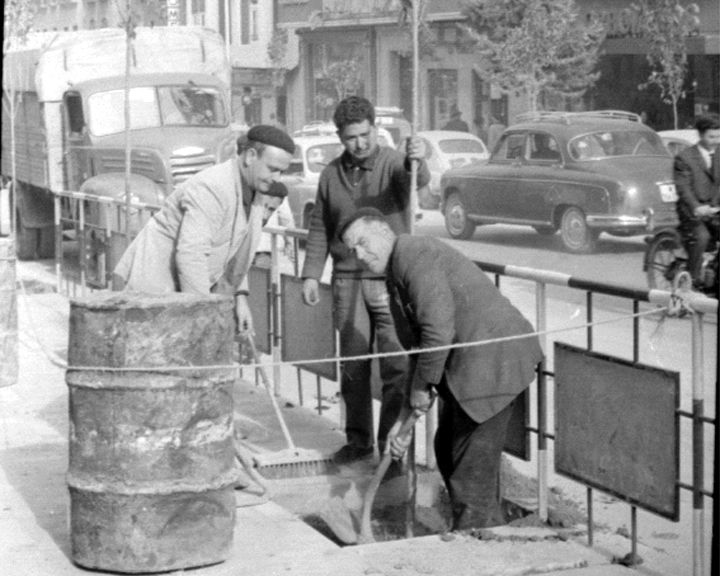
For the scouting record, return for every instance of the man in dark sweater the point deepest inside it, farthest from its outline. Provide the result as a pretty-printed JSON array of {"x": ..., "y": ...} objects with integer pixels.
[{"x": 364, "y": 175}]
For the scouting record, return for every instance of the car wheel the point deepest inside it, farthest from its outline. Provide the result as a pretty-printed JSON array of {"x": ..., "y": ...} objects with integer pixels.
[
  {"x": 664, "y": 260},
  {"x": 575, "y": 234},
  {"x": 545, "y": 230},
  {"x": 458, "y": 225}
]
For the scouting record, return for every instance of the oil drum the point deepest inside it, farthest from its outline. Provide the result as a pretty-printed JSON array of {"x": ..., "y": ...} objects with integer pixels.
[{"x": 152, "y": 467}]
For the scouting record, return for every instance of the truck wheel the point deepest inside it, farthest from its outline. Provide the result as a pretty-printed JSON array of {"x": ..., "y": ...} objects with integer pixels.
[
  {"x": 576, "y": 236},
  {"x": 27, "y": 241},
  {"x": 458, "y": 225}
]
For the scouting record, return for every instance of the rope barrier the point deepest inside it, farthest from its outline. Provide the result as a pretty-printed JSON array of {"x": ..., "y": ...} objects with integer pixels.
[{"x": 236, "y": 366}]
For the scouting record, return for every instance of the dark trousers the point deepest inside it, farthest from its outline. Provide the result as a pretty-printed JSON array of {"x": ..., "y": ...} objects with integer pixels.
[
  {"x": 697, "y": 235},
  {"x": 469, "y": 457},
  {"x": 363, "y": 317}
]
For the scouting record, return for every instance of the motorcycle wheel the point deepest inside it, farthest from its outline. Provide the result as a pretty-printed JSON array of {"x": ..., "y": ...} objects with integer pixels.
[{"x": 665, "y": 260}]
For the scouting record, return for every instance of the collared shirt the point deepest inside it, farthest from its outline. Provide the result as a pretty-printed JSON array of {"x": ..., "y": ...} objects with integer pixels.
[
  {"x": 707, "y": 156},
  {"x": 355, "y": 170}
]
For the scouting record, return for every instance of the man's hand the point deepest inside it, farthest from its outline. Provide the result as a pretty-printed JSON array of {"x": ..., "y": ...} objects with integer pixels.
[
  {"x": 243, "y": 316},
  {"x": 311, "y": 292},
  {"x": 415, "y": 148},
  {"x": 421, "y": 399}
]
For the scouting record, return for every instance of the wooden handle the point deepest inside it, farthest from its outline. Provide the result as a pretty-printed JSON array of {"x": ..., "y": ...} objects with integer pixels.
[{"x": 366, "y": 535}]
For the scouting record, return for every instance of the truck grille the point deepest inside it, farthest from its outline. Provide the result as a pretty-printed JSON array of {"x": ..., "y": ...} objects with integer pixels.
[{"x": 182, "y": 167}]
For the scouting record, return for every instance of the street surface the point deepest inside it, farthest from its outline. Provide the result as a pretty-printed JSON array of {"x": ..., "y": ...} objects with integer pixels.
[{"x": 616, "y": 260}]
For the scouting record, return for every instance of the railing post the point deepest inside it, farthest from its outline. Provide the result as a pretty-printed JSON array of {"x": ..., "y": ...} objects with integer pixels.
[
  {"x": 58, "y": 242},
  {"x": 541, "y": 318},
  {"x": 698, "y": 385},
  {"x": 275, "y": 308}
]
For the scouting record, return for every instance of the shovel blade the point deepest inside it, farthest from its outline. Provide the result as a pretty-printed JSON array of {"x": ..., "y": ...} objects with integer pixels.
[{"x": 340, "y": 520}]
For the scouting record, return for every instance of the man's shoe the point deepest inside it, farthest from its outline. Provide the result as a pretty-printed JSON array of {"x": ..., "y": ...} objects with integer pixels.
[{"x": 351, "y": 453}]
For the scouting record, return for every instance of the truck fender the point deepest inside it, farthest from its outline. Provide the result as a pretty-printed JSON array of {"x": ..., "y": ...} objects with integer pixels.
[{"x": 112, "y": 185}]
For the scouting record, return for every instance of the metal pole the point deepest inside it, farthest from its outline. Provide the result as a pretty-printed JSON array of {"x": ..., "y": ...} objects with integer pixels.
[
  {"x": 541, "y": 314},
  {"x": 416, "y": 105},
  {"x": 129, "y": 32},
  {"x": 698, "y": 385}
]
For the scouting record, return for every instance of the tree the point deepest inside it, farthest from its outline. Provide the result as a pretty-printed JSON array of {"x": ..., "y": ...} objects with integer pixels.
[
  {"x": 19, "y": 15},
  {"x": 664, "y": 25},
  {"x": 536, "y": 45}
]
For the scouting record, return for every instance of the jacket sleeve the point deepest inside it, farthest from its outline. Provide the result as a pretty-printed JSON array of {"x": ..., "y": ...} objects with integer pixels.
[
  {"x": 684, "y": 181},
  {"x": 318, "y": 243},
  {"x": 202, "y": 212},
  {"x": 433, "y": 309}
]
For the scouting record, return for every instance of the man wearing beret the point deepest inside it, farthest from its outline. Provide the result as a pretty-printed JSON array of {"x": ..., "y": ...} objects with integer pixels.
[
  {"x": 439, "y": 297},
  {"x": 204, "y": 237},
  {"x": 364, "y": 175}
]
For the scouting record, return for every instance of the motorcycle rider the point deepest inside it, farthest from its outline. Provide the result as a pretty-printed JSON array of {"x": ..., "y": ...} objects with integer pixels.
[{"x": 697, "y": 178}]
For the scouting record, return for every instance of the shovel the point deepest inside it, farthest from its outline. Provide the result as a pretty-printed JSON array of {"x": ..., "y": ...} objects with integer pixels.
[{"x": 344, "y": 522}]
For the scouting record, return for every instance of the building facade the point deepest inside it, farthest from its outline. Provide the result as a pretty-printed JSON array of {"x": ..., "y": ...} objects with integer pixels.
[
  {"x": 326, "y": 49},
  {"x": 363, "y": 47}
]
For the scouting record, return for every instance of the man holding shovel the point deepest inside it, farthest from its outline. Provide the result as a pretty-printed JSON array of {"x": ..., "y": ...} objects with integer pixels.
[{"x": 438, "y": 298}]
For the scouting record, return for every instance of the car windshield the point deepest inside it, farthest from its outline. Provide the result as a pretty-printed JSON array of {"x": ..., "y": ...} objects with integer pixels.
[
  {"x": 461, "y": 146},
  {"x": 154, "y": 106},
  {"x": 611, "y": 144}
]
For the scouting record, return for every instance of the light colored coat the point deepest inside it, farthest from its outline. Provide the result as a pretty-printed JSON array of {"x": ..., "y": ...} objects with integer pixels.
[{"x": 188, "y": 244}]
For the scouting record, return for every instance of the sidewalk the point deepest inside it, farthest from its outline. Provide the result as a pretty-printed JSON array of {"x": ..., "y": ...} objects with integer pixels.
[{"x": 268, "y": 539}]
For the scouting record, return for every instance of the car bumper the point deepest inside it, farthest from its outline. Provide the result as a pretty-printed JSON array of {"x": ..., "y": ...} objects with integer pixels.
[{"x": 606, "y": 222}]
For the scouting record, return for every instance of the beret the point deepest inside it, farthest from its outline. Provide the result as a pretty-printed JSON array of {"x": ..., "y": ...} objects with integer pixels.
[
  {"x": 365, "y": 212},
  {"x": 272, "y": 137},
  {"x": 277, "y": 189}
]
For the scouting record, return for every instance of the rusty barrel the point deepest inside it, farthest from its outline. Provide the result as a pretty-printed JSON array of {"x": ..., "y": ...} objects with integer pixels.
[{"x": 151, "y": 460}]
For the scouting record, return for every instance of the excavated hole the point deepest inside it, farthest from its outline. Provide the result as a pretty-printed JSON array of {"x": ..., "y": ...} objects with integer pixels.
[{"x": 306, "y": 496}]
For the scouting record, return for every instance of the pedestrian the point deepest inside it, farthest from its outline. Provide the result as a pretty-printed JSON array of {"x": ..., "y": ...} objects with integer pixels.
[
  {"x": 495, "y": 130},
  {"x": 456, "y": 122},
  {"x": 439, "y": 297},
  {"x": 365, "y": 174},
  {"x": 283, "y": 217},
  {"x": 697, "y": 178},
  {"x": 204, "y": 237}
]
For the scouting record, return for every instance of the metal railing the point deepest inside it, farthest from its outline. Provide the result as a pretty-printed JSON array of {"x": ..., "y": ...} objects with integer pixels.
[{"x": 636, "y": 311}]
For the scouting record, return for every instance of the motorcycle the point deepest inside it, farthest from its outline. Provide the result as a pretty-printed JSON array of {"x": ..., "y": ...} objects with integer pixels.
[{"x": 665, "y": 263}]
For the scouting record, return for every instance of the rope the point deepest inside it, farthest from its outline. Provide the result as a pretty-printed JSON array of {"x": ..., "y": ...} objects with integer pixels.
[{"x": 236, "y": 366}]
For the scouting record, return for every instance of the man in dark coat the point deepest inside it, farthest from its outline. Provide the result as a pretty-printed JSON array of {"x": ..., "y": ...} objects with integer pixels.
[
  {"x": 697, "y": 178},
  {"x": 456, "y": 122},
  {"x": 439, "y": 297}
]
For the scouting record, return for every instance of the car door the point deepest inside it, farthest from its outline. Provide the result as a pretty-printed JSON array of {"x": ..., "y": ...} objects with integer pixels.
[
  {"x": 497, "y": 188},
  {"x": 537, "y": 180}
]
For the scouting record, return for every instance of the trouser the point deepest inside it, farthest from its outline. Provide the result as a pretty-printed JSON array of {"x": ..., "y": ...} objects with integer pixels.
[
  {"x": 469, "y": 456},
  {"x": 362, "y": 315},
  {"x": 697, "y": 235}
]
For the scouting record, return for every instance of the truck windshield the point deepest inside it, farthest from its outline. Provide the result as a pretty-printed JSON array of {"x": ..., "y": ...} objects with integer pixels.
[{"x": 154, "y": 106}]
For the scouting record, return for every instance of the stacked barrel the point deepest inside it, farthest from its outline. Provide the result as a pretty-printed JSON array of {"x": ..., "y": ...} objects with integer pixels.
[{"x": 152, "y": 465}]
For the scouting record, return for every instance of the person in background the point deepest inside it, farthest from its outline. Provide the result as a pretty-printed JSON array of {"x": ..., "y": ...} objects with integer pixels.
[
  {"x": 697, "y": 178},
  {"x": 283, "y": 216},
  {"x": 365, "y": 174},
  {"x": 439, "y": 297},
  {"x": 495, "y": 130},
  {"x": 204, "y": 237},
  {"x": 456, "y": 122}
]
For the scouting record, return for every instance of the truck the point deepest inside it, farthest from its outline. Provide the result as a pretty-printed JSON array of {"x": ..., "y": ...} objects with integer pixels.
[{"x": 69, "y": 120}]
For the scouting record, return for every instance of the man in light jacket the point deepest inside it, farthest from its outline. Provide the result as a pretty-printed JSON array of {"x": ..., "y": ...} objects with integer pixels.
[{"x": 204, "y": 237}]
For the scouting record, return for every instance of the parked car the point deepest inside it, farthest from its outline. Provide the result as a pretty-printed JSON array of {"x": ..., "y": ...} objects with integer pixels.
[
  {"x": 445, "y": 149},
  {"x": 581, "y": 173},
  {"x": 392, "y": 119},
  {"x": 677, "y": 140},
  {"x": 313, "y": 151}
]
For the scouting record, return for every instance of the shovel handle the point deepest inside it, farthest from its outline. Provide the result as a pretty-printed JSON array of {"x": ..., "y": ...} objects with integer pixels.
[{"x": 366, "y": 535}]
